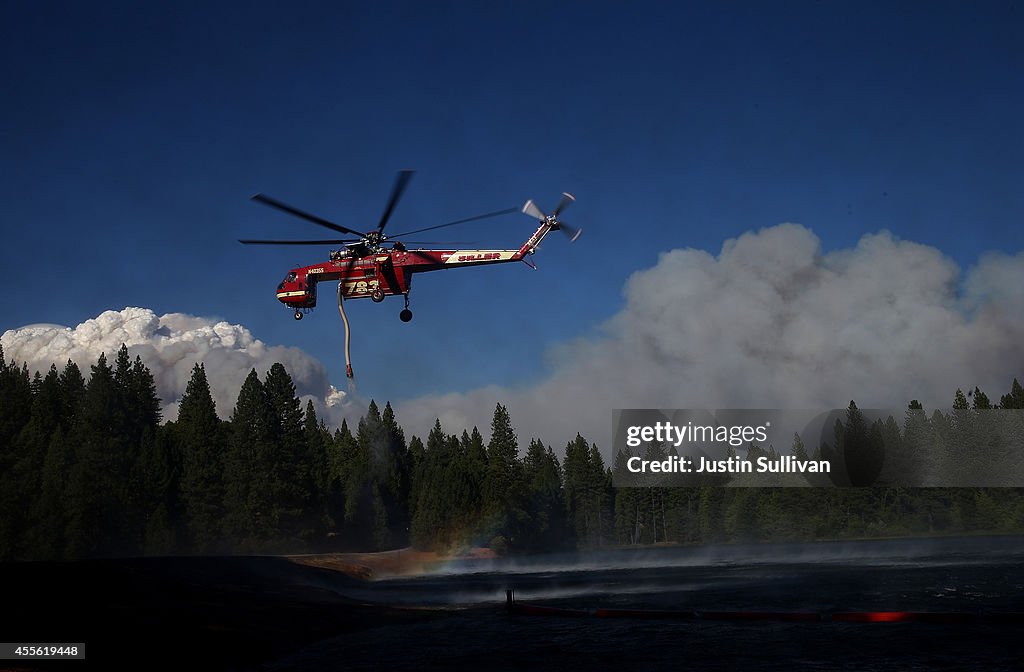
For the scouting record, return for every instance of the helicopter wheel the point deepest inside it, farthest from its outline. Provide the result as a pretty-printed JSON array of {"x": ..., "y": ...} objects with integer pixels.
[
  {"x": 377, "y": 295},
  {"x": 405, "y": 315},
  {"x": 298, "y": 315}
]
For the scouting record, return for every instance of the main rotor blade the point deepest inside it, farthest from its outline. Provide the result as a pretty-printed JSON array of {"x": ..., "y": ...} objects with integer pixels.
[
  {"x": 284, "y": 207},
  {"x": 570, "y": 231},
  {"x": 458, "y": 221},
  {"x": 530, "y": 208},
  {"x": 567, "y": 200},
  {"x": 294, "y": 242},
  {"x": 401, "y": 182}
]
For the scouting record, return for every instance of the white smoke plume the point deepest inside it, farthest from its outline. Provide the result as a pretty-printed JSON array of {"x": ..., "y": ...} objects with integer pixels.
[
  {"x": 170, "y": 345},
  {"x": 771, "y": 322}
]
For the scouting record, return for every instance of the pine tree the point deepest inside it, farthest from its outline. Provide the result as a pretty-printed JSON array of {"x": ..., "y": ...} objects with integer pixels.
[
  {"x": 145, "y": 402},
  {"x": 628, "y": 517},
  {"x": 15, "y": 405},
  {"x": 353, "y": 473},
  {"x": 72, "y": 392},
  {"x": 896, "y": 468},
  {"x": 33, "y": 444},
  {"x": 799, "y": 451},
  {"x": 317, "y": 442},
  {"x": 604, "y": 496},
  {"x": 201, "y": 445},
  {"x": 141, "y": 407},
  {"x": 291, "y": 481},
  {"x": 417, "y": 458},
  {"x": 430, "y": 519},
  {"x": 965, "y": 447},
  {"x": 861, "y": 451},
  {"x": 963, "y": 422},
  {"x": 15, "y": 411},
  {"x": 916, "y": 446},
  {"x": 96, "y": 491},
  {"x": 654, "y": 496},
  {"x": 46, "y": 402},
  {"x": 577, "y": 453},
  {"x": 372, "y": 475},
  {"x": 1015, "y": 399},
  {"x": 399, "y": 478},
  {"x": 503, "y": 478},
  {"x": 367, "y": 477},
  {"x": 251, "y": 517},
  {"x": 120, "y": 419},
  {"x": 546, "y": 528},
  {"x": 122, "y": 367},
  {"x": 1011, "y": 427},
  {"x": 473, "y": 461},
  {"x": 446, "y": 516},
  {"x": 340, "y": 454},
  {"x": 461, "y": 489},
  {"x": 589, "y": 494},
  {"x": 51, "y": 509},
  {"x": 476, "y": 453}
]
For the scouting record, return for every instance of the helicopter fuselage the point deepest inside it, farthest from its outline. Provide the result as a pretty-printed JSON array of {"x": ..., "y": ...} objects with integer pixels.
[{"x": 389, "y": 271}]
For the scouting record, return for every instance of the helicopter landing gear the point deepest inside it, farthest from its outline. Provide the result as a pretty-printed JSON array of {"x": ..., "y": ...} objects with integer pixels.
[
  {"x": 377, "y": 295},
  {"x": 298, "y": 314},
  {"x": 406, "y": 314}
]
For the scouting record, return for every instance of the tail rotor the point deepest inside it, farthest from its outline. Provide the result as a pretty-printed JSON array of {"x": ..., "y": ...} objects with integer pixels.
[{"x": 530, "y": 209}]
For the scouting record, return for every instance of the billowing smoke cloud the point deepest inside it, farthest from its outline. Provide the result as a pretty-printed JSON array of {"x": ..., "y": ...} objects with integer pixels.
[
  {"x": 170, "y": 345},
  {"x": 771, "y": 322}
]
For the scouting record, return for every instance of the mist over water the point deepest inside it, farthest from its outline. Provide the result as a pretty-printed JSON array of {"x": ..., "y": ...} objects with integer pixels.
[
  {"x": 885, "y": 552},
  {"x": 708, "y": 577}
]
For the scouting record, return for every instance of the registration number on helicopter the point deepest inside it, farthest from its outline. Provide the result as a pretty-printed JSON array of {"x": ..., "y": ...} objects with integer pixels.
[{"x": 361, "y": 286}]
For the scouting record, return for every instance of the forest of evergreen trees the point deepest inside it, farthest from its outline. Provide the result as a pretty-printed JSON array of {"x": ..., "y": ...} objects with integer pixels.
[{"x": 87, "y": 469}]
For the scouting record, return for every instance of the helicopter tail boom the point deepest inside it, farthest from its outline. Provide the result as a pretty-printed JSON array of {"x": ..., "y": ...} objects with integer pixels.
[{"x": 548, "y": 223}]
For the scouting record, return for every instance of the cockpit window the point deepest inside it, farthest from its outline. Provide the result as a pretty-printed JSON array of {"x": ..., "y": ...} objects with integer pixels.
[{"x": 290, "y": 277}]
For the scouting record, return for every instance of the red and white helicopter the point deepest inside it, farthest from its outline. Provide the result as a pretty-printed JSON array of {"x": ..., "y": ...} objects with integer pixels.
[{"x": 376, "y": 265}]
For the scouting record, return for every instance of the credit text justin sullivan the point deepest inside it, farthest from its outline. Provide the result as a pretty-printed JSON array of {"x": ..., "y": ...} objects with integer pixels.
[{"x": 674, "y": 464}]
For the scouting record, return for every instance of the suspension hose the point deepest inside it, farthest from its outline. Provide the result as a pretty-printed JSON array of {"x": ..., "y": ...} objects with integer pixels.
[{"x": 344, "y": 318}]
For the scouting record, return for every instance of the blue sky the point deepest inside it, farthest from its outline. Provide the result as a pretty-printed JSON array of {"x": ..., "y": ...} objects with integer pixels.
[{"x": 133, "y": 135}]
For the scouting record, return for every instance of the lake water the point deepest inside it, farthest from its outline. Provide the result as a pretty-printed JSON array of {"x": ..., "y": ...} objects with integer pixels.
[{"x": 981, "y": 577}]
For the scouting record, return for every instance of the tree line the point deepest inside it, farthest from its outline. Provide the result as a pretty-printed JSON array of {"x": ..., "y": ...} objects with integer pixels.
[
  {"x": 88, "y": 469},
  {"x": 967, "y": 444}
]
